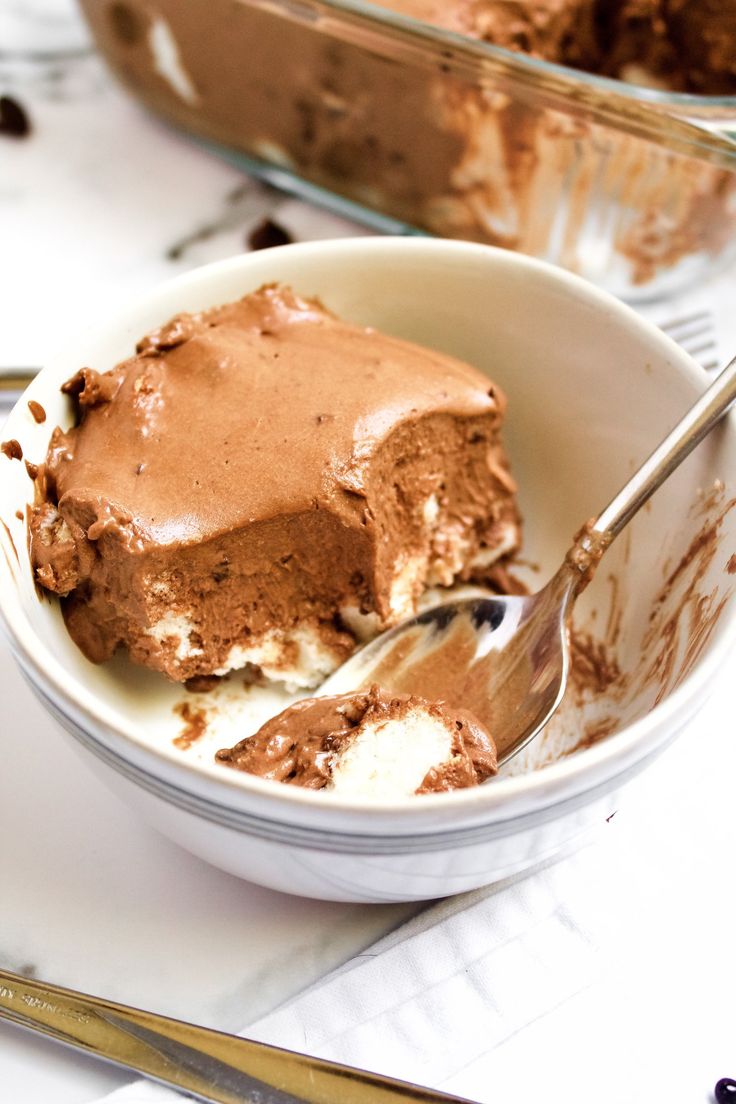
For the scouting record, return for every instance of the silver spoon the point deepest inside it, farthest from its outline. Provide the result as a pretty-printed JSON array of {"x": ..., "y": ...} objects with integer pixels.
[{"x": 507, "y": 659}]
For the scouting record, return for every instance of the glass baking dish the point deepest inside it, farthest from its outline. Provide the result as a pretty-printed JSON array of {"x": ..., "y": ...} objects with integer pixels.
[{"x": 433, "y": 131}]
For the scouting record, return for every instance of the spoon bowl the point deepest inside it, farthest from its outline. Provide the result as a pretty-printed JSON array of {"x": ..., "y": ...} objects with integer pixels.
[{"x": 503, "y": 657}]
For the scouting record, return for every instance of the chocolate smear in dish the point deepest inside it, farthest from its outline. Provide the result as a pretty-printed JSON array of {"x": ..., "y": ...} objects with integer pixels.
[{"x": 195, "y": 725}]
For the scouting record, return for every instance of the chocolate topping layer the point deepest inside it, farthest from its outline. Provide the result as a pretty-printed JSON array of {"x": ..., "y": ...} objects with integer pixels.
[
  {"x": 301, "y": 745},
  {"x": 262, "y": 482}
]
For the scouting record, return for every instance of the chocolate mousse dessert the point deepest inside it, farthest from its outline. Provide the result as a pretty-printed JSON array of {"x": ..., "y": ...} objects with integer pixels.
[
  {"x": 411, "y": 127},
  {"x": 264, "y": 485},
  {"x": 369, "y": 744}
]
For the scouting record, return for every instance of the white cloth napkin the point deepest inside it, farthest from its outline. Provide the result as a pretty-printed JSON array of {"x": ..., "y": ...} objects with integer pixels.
[{"x": 606, "y": 977}]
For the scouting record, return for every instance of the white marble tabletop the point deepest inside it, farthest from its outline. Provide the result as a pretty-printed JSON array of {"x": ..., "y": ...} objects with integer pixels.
[{"x": 98, "y": 203}]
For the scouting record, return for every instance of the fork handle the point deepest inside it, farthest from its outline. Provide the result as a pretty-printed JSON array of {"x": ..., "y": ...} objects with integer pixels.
[
  {"x": 595, "y": 537},
  {"x": 15, "y": 380},
  {"x": 208, "y": 1065}
]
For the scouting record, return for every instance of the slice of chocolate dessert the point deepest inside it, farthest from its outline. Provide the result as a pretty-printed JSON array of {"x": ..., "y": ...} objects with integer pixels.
[{"x": 264, "y": 484}]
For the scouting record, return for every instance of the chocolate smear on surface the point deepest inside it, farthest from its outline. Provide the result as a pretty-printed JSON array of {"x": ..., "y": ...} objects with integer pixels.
[
  {"x": 594, "y": 666},
  {"x": 680, "y": 626},
  {"x": 594, "y": 733},
  {"x": 37, "y": 411},
  {"x": 615, "y": 612}
]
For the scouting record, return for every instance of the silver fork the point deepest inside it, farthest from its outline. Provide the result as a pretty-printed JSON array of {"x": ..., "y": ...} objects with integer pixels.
[
  {"x": 696, "y": 334},
  {"x": 13, "y": 382}
]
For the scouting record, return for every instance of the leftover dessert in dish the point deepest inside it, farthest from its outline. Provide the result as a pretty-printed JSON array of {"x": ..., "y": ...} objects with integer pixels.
[
  {"x": 444, "y": 137},
  {"x": 264, "y": 485},
  {"x": 370, "y": 743},
  {"x": 684, "y": 45}
]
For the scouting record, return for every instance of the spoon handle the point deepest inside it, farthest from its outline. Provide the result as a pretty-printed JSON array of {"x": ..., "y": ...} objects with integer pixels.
[
  {"x": 207, "y": 1065},
  {"x": 700, "y": 419}
]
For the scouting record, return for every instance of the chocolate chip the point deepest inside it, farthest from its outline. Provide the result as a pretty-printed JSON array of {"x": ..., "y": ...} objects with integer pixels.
[
  {"x": 725, "y": 1091},
  {"x": 14, "y": 119},
  {"x": 268, "y": 234},
  {"x": 125, "y": 23},
  {"x": 37, "y": 411}
]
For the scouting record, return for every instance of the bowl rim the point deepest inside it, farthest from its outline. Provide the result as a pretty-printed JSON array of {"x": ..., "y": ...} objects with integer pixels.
[{"x": 495, "y": 802}]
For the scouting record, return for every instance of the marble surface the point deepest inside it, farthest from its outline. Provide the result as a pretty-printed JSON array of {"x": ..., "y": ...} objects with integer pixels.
[{"x": 98, "y": 204}]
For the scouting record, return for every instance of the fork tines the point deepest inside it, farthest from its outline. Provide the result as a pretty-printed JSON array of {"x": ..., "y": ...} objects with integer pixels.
[{"x": 695, "y": 333}]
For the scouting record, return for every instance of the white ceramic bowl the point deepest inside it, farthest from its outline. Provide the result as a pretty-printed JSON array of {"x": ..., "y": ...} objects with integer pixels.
[{"x": 591, "y": 389}]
